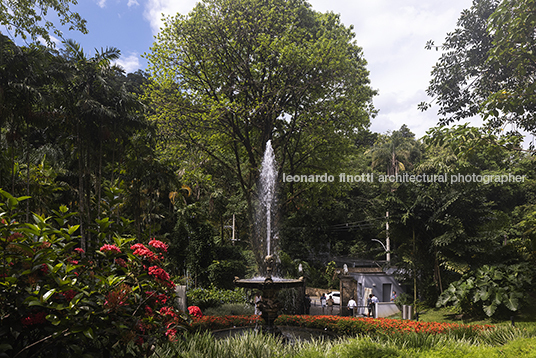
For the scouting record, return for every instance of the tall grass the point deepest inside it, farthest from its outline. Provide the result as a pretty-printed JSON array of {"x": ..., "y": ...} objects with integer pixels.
[{"x": 498, "y": 342}]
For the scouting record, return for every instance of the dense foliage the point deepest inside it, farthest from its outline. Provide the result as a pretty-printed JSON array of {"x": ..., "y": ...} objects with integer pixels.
[{"x": 57, "y": 300}]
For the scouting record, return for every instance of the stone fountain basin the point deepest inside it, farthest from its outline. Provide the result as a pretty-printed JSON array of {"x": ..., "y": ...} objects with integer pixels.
[{"x": 262, "y": 283}]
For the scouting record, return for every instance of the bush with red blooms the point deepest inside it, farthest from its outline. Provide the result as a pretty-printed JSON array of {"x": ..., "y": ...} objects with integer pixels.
[
  {"x": 58, "y": 300},
  {"x": 195, "y": 311},
  {"x": 358, "y": 325},
  {"x": 210, "y": 323}
]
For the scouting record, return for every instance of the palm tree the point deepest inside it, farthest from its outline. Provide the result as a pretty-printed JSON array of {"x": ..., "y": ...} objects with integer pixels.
[
  {"x": 94, "y": 102},
  {"x": 396, "y": 152}
]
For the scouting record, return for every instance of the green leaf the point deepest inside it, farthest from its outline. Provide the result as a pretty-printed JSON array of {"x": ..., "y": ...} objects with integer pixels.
[
  {"x": 72, "y": 229},
  {"x": 489, "y": 310},
  {"x": 5, "y": 347},
  {"x": 89, "y": 333},
  {"x": 52, "y": 318},
  {"x": 512, "y": 303},
  {"x": 35, "y": 303},
  {"x": 49, "y": 293},
  {"x": 57, "y": 267}
]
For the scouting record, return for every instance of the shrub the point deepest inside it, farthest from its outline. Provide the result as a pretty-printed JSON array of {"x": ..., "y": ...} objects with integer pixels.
[
  {"x": 231, "y": 309},
  {"x": 214, "y": 297},
  {"x": 57, "y": 300}
]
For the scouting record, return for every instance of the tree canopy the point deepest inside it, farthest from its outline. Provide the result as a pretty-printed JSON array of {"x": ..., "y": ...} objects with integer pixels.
[
  {"x": 232, "y": 75},
  {"x": 487, "y": 67},
  {"x": 28, "y": 18}
]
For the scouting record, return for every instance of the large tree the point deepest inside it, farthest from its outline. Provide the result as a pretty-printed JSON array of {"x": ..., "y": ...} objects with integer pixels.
[
  {"x": 514, "y": 43},
  {"x": 462, "y": 79},
  {"x": 232, "y": 75},
  {"x": 487, "y": 67}
]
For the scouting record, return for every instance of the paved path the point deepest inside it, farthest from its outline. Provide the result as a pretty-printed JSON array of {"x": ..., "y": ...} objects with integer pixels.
[{"x": 316, "y": 309}]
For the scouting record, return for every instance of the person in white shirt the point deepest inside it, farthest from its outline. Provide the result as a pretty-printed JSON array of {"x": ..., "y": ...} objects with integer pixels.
[
  {"x": 374, "y": 300},
  {"x": 352, "y": 305}
]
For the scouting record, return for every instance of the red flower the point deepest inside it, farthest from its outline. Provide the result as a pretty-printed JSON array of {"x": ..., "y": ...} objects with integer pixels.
[
  {"x": 44, "y": 269},
  {"x": 110, "y": 248},
  {"x": 141, "y": 250},
  {"x": 157, "y": 244},
  {"x": 69, "y": 295},
  {"x": 161, "y": 275},
  {"x": 171, "y": 333},
  {"x": 79, "y": 250},
  {"x": 37, "y": 318},
  {"x": 168, "y": 311},
  {"x": 149, "y": 310},
  {"x": 118, "y": 297},
  {"x": 195, "y": 311}
]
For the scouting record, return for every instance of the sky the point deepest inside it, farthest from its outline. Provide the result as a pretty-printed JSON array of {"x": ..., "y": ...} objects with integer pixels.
[{"x": 392, "y": 34}]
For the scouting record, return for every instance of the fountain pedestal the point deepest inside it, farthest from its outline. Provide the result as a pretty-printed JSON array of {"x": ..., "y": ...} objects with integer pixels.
[{"x": 269, "y": 304}]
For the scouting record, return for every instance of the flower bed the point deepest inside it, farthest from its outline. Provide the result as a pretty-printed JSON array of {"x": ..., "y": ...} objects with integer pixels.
[
  {"x": 210, "y": 323},
  {"x": 337, "y": 324},
  {"x": 355, "y": 325}
]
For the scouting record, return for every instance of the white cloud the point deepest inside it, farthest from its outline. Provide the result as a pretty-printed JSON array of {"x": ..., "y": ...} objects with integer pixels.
[
  {"x": 55, "y": 41},
  {"x": 101, "y": 3},
  {"x": 155, "y": 8},
  {"x": 132, "y": 3},
  {"x": 393, "y": 35},
  {"x": 130, "y": 64}
]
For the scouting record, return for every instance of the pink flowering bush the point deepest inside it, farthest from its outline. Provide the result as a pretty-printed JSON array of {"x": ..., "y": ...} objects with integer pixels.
[
  {"x": 110, "y": 248},
  {"x": 195, "y": 311},
  {"x": 157, "y": 244},
  {"x": 56, "y": 299}
]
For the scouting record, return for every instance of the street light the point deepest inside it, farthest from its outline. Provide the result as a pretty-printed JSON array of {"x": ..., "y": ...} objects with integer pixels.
[{"x": 387, "y": 254}]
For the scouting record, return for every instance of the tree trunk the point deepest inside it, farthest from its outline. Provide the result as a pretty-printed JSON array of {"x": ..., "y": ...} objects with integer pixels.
[
  {"x": 81, "y": 188},
  {"x": 99, "y": 179}
]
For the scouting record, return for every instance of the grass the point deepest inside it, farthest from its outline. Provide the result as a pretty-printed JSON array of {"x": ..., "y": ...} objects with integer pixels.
[
  {"x": 527, "y": 318},
  {"x": 258, "y": 345}
]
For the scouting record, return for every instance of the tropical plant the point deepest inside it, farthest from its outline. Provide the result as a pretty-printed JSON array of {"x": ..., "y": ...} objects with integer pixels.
[{"x": 490, "y": 289}]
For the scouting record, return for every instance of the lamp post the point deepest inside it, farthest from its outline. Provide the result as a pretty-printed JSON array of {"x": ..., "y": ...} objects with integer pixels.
[{"x": 387, "y": 253}]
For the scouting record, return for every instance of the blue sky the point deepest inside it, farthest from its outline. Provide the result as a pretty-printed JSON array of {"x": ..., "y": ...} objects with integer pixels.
[{"x": 392, "y": 33}]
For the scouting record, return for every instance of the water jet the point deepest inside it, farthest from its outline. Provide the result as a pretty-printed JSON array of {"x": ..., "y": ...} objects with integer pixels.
[{"x": 269, "y": 285}]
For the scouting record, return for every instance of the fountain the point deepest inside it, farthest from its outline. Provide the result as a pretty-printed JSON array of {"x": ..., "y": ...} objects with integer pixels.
[{"x": 269, "y": 285}]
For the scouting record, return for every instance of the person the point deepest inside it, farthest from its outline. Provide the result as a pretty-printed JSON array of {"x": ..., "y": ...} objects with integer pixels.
[
  {"x": 330, "y": 303},
  {"x": 352, "y": 306},
  {"x": 323, "y": 301},
  {"x": 307, "y": 304},
  {"x": 369, "y": 305},
  {"x": 257, "y": 299},
  {"x": 374, "y": 300},
  {"x": 393, "y": 296}
]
